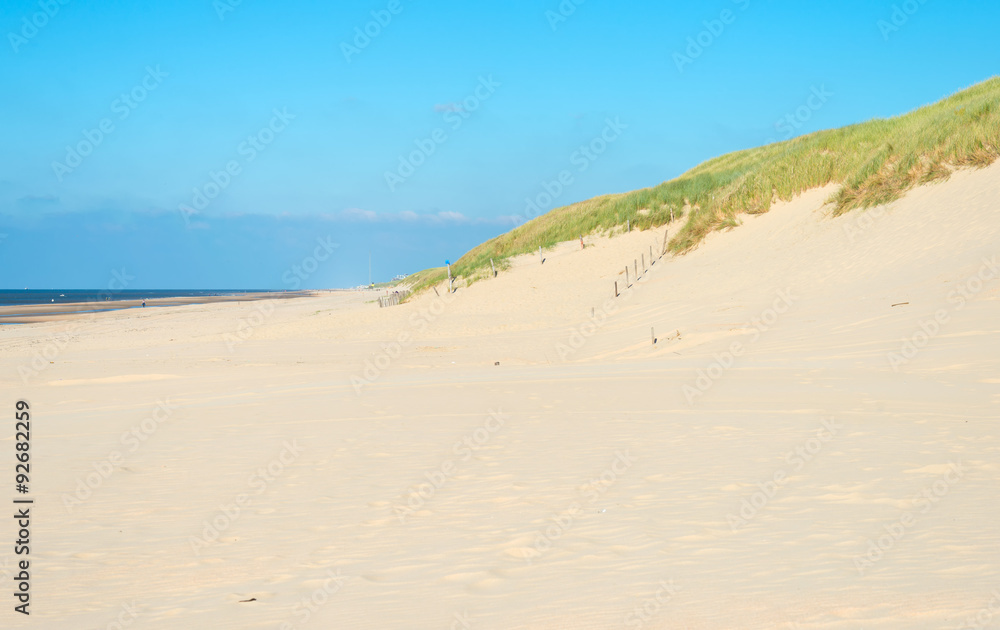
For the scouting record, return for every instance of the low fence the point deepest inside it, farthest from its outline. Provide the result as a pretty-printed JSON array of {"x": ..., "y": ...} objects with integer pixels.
[{"x": 392, "y": 299}]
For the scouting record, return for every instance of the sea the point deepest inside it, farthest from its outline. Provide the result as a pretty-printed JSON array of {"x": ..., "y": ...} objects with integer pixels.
[{"x": 68, "y": 296}]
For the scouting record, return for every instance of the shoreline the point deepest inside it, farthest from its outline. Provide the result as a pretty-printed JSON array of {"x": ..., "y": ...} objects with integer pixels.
[{"x": 38, "y": 313}]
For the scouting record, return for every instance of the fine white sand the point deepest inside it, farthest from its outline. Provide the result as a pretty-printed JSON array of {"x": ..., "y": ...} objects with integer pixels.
[{"x": 617, "y": 484}]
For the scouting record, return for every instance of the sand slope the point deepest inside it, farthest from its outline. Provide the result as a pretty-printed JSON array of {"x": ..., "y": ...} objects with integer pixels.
[{"x": 399, "y": 478}]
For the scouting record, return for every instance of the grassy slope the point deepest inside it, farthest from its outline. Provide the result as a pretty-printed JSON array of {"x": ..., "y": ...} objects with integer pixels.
[
  {"x": 875, "y": 162},
  {"x": 425, "y": 279}
]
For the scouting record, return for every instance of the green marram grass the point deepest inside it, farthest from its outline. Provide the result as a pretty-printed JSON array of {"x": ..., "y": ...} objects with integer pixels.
[
  {"x": 874, "y": 162},
  {"x": 424, "y": 279}
]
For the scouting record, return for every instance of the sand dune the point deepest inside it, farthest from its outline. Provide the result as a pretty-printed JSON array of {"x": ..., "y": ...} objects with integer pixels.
[{"x": 811, "y": 443}]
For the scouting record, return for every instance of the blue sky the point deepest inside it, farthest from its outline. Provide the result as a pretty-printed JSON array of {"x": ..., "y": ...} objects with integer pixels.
[{"x": 416, "y": 141}]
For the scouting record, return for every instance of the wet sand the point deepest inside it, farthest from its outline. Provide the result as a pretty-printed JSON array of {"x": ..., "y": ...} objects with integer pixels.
[{"x": 33, "y": 313}]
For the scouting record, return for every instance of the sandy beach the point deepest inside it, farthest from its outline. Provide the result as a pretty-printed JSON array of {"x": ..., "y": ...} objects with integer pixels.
[{"x": 811, "y": 441}]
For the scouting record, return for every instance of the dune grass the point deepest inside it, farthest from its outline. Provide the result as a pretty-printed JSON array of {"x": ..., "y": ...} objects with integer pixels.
[
  {"x": 424, "y": 280},
  {"x": 874, "y": 162}
]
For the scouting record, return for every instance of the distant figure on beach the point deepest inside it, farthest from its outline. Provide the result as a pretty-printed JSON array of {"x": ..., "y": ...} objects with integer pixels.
[{"x": 143, "y": 302}]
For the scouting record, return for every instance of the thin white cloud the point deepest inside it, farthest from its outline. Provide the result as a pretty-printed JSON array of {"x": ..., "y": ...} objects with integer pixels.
[
  {"x": 357, "y": 214},
  {"x": 370, "y": 216}
]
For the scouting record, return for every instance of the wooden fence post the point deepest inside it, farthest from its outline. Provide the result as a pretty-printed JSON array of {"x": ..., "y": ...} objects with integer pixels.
[
  {"x": 494, "y": 268},
  {"x": 626, "y": 276}
]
